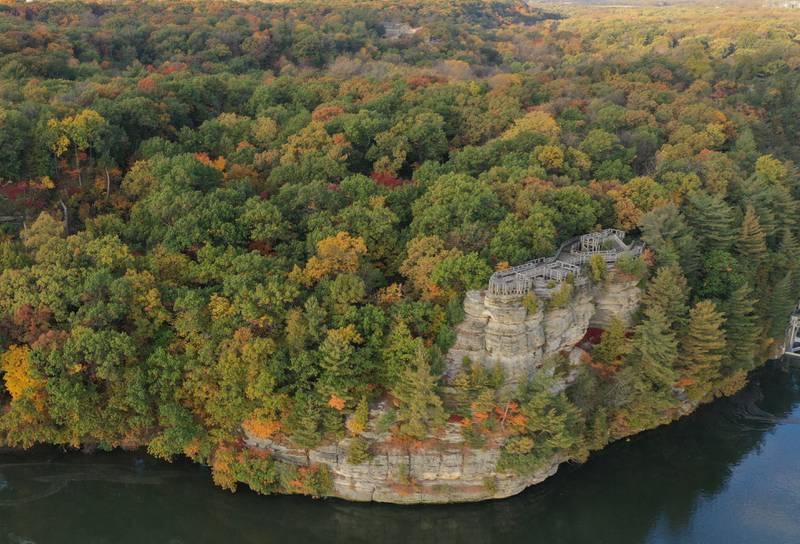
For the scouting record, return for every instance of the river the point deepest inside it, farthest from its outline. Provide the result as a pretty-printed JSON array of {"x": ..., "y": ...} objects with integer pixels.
[{"x": 728, "y": 473}]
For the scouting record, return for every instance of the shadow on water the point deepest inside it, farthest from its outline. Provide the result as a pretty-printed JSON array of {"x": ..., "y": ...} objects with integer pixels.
[{"x": 728, "y": 473}]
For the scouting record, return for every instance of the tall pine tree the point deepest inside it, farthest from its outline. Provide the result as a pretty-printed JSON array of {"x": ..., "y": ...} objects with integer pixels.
[
  {"x": 420, "y": 407},
  {"x": 669, "y": 292},
  {"x": 741, "y": 331},
  {"x": 665, "y": 231},
  {"x": 613, "y": 345},
  {"x": 788, "y": 252},
  {"x": 655, "y": 349},
  {"x": 702, "y": 349},
  {"x": 781, "y": 303},
  {"x": 751, "y": 245},
  {"x": 712, "y": 220}
]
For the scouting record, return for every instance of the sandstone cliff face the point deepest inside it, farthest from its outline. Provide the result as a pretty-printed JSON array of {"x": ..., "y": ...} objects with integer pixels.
[
  {"x": 440, "y": 470},
  {"x": 498, "y": 330}
]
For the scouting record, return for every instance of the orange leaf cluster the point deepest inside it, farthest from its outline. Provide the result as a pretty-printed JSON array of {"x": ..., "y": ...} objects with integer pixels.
[
  {"x": 390, "y": 294},
  {"x": 192, "y": 449},
  {"x": 326, "y": 113},
  {"x": 510, "y": 415},
  {"x": 336, "y": 403},
  {"x": 219, "y": 163},
  {"x": 261, "y": 428}
]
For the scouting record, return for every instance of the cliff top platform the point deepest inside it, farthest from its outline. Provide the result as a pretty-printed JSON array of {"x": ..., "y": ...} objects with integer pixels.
[{"x": 571, "y": 258}]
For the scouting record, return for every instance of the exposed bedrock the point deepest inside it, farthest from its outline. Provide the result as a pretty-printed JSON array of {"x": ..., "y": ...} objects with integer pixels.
[
  {"x": 440, "y": 470},
  {"x": 499, "y": 330}
]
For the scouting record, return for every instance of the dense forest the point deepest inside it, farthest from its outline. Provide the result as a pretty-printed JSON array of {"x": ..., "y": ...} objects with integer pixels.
[{"x": 229, "y": 216}]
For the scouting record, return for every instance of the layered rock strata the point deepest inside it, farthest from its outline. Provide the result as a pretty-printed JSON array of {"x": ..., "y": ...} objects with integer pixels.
[
  {"x": 498, "y": 330},
  {"x": 441, "y": 470}
]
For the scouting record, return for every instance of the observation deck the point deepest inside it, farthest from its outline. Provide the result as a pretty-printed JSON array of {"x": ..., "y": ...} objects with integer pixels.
[{"x": 571, "y": 258}]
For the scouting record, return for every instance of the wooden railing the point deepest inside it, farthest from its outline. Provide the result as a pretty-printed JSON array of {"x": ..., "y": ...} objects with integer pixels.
[{"x": 569, "y": 259}]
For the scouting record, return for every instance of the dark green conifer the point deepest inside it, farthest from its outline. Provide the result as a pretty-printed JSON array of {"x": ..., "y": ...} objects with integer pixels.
[
  {"x": 669, "y": 292},
  {"x": 420, "y": 407},
  {"x": 655, "y": 349},
  {"x": 702, "y": 349},
  {"x": 751, "y": 245},
  {"x": 741, "y": 330},
  {"x": 613, "y": 345},
  {"x": 712, "y": 220}
]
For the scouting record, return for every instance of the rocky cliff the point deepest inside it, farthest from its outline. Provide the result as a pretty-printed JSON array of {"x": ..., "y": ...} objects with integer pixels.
[
  {"x": 440, "y": 470},
  {"x": 499, "y": 330}
]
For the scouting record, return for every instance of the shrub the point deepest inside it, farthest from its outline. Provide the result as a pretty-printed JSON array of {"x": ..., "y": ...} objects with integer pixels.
[
  {"x": 563, "y": 296},
  {"x": 358, "y": 451},
  {"x": 598, "y": 270},
  {"x": 531, "y": 303},
  {"x": 632, "y": 266}
]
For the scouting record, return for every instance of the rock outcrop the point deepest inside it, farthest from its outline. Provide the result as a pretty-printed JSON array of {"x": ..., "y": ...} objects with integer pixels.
[
  {"x": 440, "y": 470},
  {"x": 499, "y": 330}
]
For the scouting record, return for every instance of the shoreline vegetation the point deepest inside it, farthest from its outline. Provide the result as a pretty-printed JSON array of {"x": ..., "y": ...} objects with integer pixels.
[{"x": 228, "y": 228}]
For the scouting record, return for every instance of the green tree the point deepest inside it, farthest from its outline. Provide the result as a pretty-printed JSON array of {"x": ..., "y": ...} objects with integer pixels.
[
  {"x": 751, "y": 245},
  {"x": 419, "y": 405},
  {"x": 597, "y": 268},
  {"x": 666, "y": 233},
  {"x": 781, "y": 303},
  {"x": 702, "y": 349},
  {"x": 741, "y": 330},
  {"x": 655, "y": 350},
  {"x": 712, "y": 220},
  {"x": 518, "y": 240},
  {"x": 669, "y": 292},
  {"x": 357, "y": 424},
  {"x": 399, "y": 353},
  {"x": 613, "y": 346}
]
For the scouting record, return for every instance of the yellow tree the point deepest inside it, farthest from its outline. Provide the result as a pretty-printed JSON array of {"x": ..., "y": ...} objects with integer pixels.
[
  {"x": 424, "y": 253},
  {"x": 335, "y": 255},
  {"x": 18, "y": 373}
]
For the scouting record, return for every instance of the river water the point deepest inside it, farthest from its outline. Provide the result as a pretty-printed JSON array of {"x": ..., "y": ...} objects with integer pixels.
[{"x": 730, "y": 473}]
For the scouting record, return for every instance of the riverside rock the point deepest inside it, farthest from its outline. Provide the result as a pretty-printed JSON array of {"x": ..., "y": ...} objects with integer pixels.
[{"x": 440, "y": 470}]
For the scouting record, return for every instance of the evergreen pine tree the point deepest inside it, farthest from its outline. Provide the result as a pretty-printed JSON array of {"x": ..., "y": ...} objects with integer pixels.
[
  {"x": 665, "y": 231},
  {"x": 781, "y": 305},
  {"x": 751, "y": 245},
  {"x": 399, "y": 351},
  {"x": 741, "y": 330},
  {"x": 655, "y": 349},
  {"x": 305, "y": 422},
  {"x": 702, "y": 349},
  {"x": 761, "y": 197},
  {"x": 613, "y": 345},
  {"x": 712, "y": 220},
  {"x": 598, "y": 434},
  {"x": 789, "y": 252},
  {"x": 420, "y": 407},
  {"x": 669, "y": 291}
]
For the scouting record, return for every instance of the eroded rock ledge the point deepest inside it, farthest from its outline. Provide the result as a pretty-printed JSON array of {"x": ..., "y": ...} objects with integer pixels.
[{"x": 439, "y": 470}]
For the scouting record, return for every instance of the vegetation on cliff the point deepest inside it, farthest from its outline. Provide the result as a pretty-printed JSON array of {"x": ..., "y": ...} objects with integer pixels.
[{"x": 222, "y": 216}]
